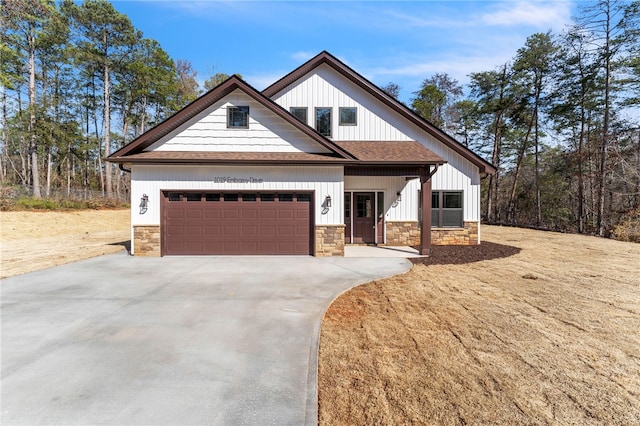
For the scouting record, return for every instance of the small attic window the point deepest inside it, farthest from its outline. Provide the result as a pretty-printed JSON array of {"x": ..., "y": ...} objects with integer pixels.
[
  {"x": 348, "y": 116},
  {"x": 238, "y": 117},
  {"x": 300, "y": 113}
]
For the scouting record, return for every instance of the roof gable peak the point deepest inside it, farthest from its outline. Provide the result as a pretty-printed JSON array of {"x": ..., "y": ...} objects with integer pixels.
[
  {"x": 327, "y": 58},
  {"x": 214, "y": 95}
]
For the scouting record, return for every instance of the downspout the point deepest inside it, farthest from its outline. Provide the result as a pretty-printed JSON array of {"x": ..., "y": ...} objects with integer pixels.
[{"x": 123, "y": 168}]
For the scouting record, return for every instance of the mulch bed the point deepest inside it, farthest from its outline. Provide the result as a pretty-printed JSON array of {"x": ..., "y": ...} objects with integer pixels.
[{"x": 458, "y": 255}]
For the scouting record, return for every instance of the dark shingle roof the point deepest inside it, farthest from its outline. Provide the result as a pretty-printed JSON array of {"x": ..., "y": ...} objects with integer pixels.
[{"x": 391, "y": 152}]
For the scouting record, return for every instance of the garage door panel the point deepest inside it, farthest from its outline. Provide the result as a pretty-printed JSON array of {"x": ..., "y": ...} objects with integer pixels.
[
  {"x": 285, "y": 214},
  {"x": 176, "y": 230},
  {"x": 194, "y": 247},
  {"x": 194, "y": 213},
  {"x": 250, "y": 213},
  {"x": 249, "y": 247},
  {"x": 268, "y": 213},
  {"x": 286, "y": 230},
  {"x": 212, "y": 231},
  {"x": 210, "y": 213},
  {"x": 249, "y": 231},
  {"x": 230, "y": 230},
  {"x": 218, "y": 227},
  {"x": 268, "y": 230},
  {"x": 302, "y": 214},
  {"x": 193, "y": 230},
  {"x": 175, "y": 213}
]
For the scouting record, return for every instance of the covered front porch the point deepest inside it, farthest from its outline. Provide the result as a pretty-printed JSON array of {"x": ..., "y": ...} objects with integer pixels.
[{"x": 385, "y": 206}]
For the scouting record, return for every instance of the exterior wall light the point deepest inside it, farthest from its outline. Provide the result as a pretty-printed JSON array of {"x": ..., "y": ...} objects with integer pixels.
[
  {"x": 327, "y": 201},
  {"x": 399, "y": 195},
  {"x": 144, "y": 202}
]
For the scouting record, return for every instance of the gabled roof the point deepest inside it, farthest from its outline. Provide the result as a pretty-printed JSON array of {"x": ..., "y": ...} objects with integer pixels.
[
  {"x": 330, "y": 60},
  {"x": 133, "y": 152}
]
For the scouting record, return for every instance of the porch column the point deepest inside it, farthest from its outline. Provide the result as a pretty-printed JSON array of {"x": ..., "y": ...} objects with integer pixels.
[{"x": 425, "y": 229}]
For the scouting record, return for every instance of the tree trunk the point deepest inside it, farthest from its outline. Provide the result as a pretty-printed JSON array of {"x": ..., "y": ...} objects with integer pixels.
[
  {"x": 580, "y": 165},
  {"x": 33, "y": 142},
  {"x": 49, "y": 160},
  {"x": 107, "y": 127},
  {"x": 602, "y": 172},
  {"x": 511, "y": 212},
  {"x": 5, "y": 136},
  {"x": 537, "y": 172}
]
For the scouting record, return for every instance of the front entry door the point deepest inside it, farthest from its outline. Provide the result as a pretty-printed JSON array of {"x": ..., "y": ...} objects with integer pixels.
[{"x": 364, "y": 219}]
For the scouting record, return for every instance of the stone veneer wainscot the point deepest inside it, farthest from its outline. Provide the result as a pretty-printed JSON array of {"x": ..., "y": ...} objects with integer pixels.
[
  {"x": 408, "y": 234},
  {"x": 329, "y": 240},
  {"x": 146, "y": 240}
]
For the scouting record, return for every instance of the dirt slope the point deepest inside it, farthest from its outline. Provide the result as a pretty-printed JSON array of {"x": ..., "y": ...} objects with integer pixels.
[
  {"x": 545, "y": 332},
  {"x": 33, "y": 240}
]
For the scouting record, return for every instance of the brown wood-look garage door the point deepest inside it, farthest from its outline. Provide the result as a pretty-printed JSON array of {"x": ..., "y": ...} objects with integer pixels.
[{"x": 234, "y": 223}]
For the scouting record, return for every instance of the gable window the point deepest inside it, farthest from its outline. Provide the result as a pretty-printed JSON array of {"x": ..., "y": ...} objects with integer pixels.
[
  {"x": 446, "y": 209},
  {"x": 348, "y": 116},
  {"x": 323, "y": 121},
  {"x": 238, "y": 117},
  {"x": 300, "y": 113}
]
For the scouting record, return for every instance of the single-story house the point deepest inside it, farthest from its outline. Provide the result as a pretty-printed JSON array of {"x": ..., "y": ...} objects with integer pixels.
[{"x": 319, "y": 159}]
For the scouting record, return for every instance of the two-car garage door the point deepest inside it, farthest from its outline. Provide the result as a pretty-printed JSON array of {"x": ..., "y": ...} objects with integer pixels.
[{"x": 233, "y": 223}]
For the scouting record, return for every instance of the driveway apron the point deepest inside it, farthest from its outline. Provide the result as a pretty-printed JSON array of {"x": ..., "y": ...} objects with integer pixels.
[{"x": 176, "y": 340}]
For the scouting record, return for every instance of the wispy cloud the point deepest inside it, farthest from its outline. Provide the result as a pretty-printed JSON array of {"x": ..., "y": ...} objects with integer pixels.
[
  {"x": 553, "y": 15},
  {"x": 302, "y": 56}
]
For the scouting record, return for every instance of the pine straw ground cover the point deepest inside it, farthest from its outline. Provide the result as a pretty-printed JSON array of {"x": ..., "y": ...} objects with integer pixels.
[{"x": 531, "y": 327}]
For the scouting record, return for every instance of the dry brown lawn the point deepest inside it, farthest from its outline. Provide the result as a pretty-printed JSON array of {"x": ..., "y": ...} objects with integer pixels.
[
  {"x": 528, "y": 328},
  {"x": 34, "y": 240}
]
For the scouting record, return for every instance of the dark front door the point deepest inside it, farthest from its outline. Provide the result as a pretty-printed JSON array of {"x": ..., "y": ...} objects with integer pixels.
[{"x": 364, "y": 219}]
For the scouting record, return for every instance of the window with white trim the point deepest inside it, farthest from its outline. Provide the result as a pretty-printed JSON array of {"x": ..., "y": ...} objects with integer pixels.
[{"x": 446, "y": 209}]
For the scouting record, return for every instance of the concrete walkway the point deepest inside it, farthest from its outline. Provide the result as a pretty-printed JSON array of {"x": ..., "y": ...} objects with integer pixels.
[
  {"x": 380, "y": 251},
  {"x": 176, "y": 340}
]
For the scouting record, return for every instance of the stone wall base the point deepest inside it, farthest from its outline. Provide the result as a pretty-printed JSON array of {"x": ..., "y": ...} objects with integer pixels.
[
  {"x": 408, "y": 234},
  {"x": 329, "y": 240},
  {"x": 467, "y": 236},
  {"x": 146, "y": 240},
  {"x": 403, "y": 233}
]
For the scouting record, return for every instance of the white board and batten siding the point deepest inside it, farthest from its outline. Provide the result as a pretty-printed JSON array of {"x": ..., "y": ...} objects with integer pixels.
[
  {"x": 325, "y": 87},
  {"x": 208, "y": 131},
  {"x": 322, "y": 180}
]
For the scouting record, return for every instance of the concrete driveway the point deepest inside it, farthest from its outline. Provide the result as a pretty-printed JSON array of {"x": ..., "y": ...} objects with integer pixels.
[{"x": 176, "y": 340}]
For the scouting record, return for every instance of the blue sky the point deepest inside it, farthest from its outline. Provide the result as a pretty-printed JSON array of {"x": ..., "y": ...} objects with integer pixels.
[{"x": 402, "y": 42}]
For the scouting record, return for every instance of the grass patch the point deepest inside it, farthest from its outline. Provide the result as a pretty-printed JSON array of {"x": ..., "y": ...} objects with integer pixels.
[{"x": 32, "y": 203}]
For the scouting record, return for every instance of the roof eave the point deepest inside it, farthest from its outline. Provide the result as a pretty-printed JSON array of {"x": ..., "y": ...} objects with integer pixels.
[{"x": 334, "y": 161}]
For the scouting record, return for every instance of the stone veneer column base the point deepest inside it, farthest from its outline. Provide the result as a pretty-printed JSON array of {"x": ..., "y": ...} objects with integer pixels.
[
  {"x": 408, "y": 234},
  {"x": 329, "y": 240},
  {"x": 146, "y": 240}
]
